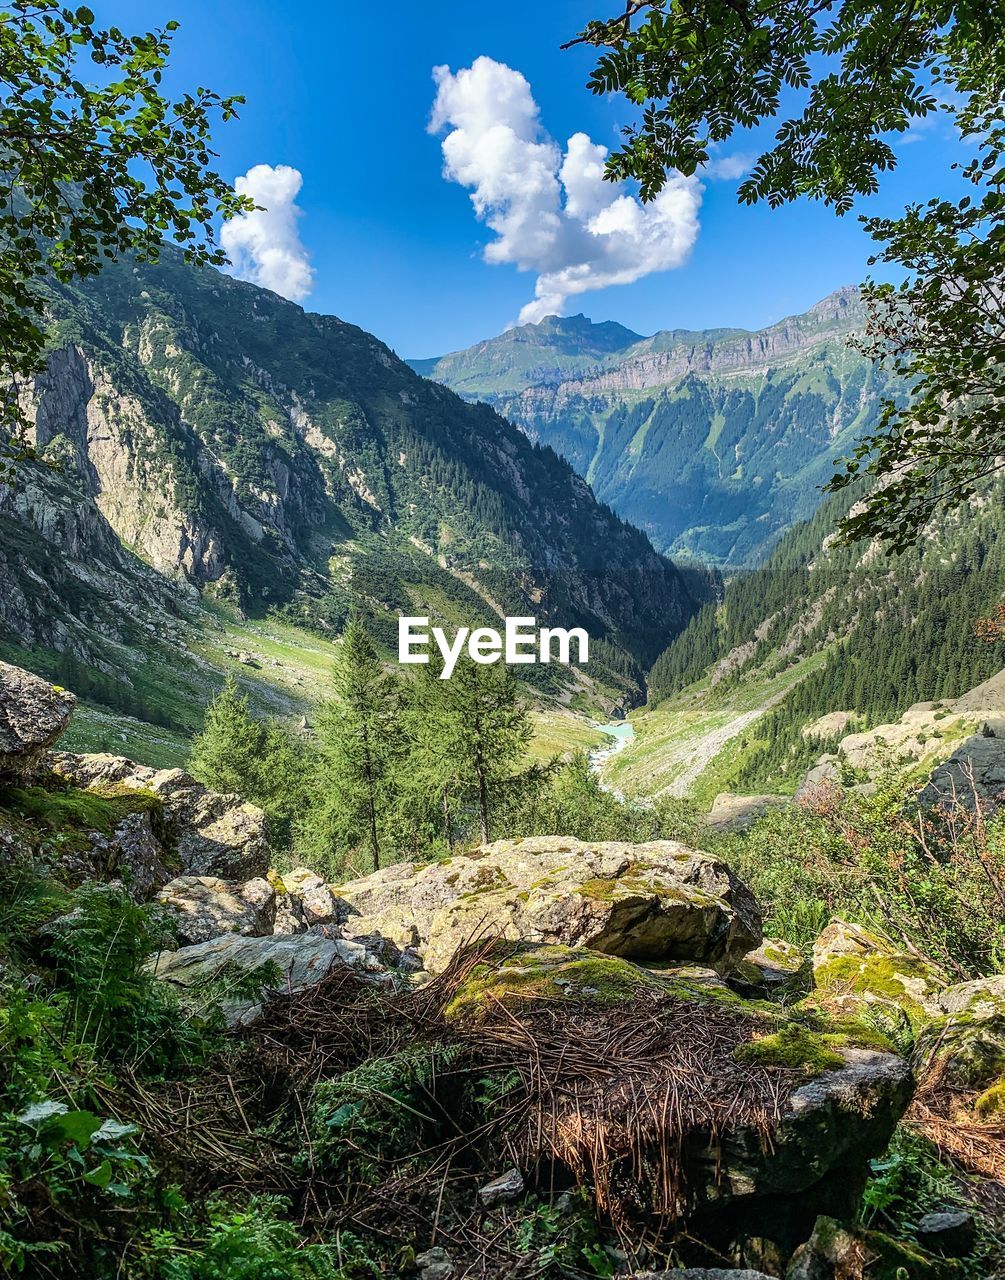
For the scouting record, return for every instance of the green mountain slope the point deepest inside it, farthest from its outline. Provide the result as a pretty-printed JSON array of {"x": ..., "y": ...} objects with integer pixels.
[
  {"x": 819, "y": 629},
  {"x": 713, "y": 442},
  {"x": 213, "y": 455}
]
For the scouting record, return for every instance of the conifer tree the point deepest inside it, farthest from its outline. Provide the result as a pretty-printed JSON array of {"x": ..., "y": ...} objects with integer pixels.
[
  {"x": 470, "y": 734},
  {"x": 227, "y": 754},
  {"x": 257, "y": 759},
  {"x": 360, "y": 740}
]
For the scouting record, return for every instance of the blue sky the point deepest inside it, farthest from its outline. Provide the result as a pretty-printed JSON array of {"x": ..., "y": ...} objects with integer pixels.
[{"x": 343, "y": 93}]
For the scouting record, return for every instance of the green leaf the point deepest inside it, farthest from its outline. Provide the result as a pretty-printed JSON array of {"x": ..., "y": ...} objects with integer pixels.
[
  {"x": 40, "y": 1111},
  {"x": 101, "y": 1176}
]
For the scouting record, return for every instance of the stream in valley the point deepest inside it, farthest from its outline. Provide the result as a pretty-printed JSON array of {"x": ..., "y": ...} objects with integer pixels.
[{"x": 621, "y": 733}]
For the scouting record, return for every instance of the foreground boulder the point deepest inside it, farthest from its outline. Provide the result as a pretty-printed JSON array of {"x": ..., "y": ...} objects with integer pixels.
[
  {"x": 855, "y": 967},
  {"x": 835, "y": 1252},
  {"x": 659, "y": 901},
  {"x": 297, "y": 962},
  {"x": 965, "y": 1049},
  {"x": 667, "y": 1097},
  {"x": 211, "y": 833},
  {"x": 33, "y": 713},
  {"x": 204, "y": 907}
]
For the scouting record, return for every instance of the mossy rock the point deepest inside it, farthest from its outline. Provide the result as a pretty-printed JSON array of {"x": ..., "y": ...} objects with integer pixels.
[
  {"x": 855, "y": 1254},
  {"x": 652, "y": 902},
  {"x": 968, "y": 1050},
  {"x": 857, "y": 967},
  {"x": 991, "y": 1103},
  {"x": 516, "y": 974},
  {"x": 68, "y": 811}
]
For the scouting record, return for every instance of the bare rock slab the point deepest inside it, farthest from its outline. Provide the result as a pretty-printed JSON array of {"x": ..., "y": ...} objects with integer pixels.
[
  {"x": 659, "y": 901},
  {"x": 204, "y": 907},
  {"x": 300, "y": 961}
]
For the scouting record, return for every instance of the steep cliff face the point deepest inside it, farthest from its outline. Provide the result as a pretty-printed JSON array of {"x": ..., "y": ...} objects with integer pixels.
[{"x": 712, "y": 442}]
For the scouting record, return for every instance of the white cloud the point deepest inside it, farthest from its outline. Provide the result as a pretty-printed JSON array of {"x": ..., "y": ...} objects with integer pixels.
[
  {"x": 729, "y": 168},
  {"x": 264, "y": 246},
  {"x": 552, "y": 212}
]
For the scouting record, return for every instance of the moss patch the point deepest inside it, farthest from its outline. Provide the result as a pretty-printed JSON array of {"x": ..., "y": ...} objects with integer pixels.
[
  {"x": 795, "y": 1046},
  {"x": 884, "y": 976},
  {"x": 67, "y": 810},
  {"x": 518, "y": 973},
  {"x": 991, "y": 1103}
]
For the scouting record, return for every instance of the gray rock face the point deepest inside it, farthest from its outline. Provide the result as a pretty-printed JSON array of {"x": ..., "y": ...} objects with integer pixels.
[
  {"x": 33, "y": 713},
  {"x": 952, "y": 1233},
  {"x": 655, "y": 901},
  {"x": 840, "y": 1118},
  {"x": 302, "y": 961},
  {"x": 823, "y": 776},
  {"x": 981, "y": 997},
  {"x": 204, "y": 907},
  {"x": 737, "y": 813},
  {"x": 816, "y": 1160},
  {"x": 213, "y": 834},
  {"x": 974, "y": 773},
  {"x": 509, "y": 1186}
]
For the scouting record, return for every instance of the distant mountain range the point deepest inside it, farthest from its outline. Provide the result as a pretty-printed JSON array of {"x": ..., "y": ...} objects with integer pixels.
[{"x": 714, "y": 442}]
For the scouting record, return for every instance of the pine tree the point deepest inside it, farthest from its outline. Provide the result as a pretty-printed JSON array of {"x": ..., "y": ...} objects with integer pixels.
[
  {"x": 256, "y": 759},
  {"x": 227, "y": 754},
  {"x": 360, "y": 741},
  {"x": 470, "y": 734}
]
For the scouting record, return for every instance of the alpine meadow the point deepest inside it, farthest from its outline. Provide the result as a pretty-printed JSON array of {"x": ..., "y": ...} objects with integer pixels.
[{"x": 502, "y": 641}]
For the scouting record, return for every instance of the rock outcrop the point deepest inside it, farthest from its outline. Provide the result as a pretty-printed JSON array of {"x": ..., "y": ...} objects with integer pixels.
[
  {"x": 33, "y": 714},
  {"x": 974, "y": 774},
  {"x": 854, "y": 966},
  {"x": 736, "y": 813},
  {"x": 210, "y": 833},
  {"x": 204, "y": 907},
  {"x": 304, "y": 900},
  {"x": 299, "y": 962},
  {"x": 955, "y": 740},
  {"x": 659, "y": 901}
]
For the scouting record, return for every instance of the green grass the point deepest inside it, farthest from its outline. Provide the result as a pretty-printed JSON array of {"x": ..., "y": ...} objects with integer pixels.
[
  {"x": 559, "y": 731},
  {"x": 95, "y": 729},
  {"x": 700, "y": 718}
]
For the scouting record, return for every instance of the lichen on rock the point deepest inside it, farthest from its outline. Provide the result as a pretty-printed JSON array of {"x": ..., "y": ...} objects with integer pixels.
[{"x": 659, "y": 901}]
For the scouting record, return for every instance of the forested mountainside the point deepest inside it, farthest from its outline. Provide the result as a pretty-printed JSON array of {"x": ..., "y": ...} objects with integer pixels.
[
  {"x": 823, "y": 628},
  {"x": 713, "y": 442},
  {"x": 204, "y": 435}
]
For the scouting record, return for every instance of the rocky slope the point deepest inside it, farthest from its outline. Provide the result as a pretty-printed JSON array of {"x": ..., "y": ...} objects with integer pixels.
[
  {"x": 699, "y": 1126},
  {"x": 714, "y": 442}
]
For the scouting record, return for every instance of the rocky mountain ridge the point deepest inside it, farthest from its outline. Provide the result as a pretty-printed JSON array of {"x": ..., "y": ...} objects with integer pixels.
[{"x": 713, "y": 442}]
